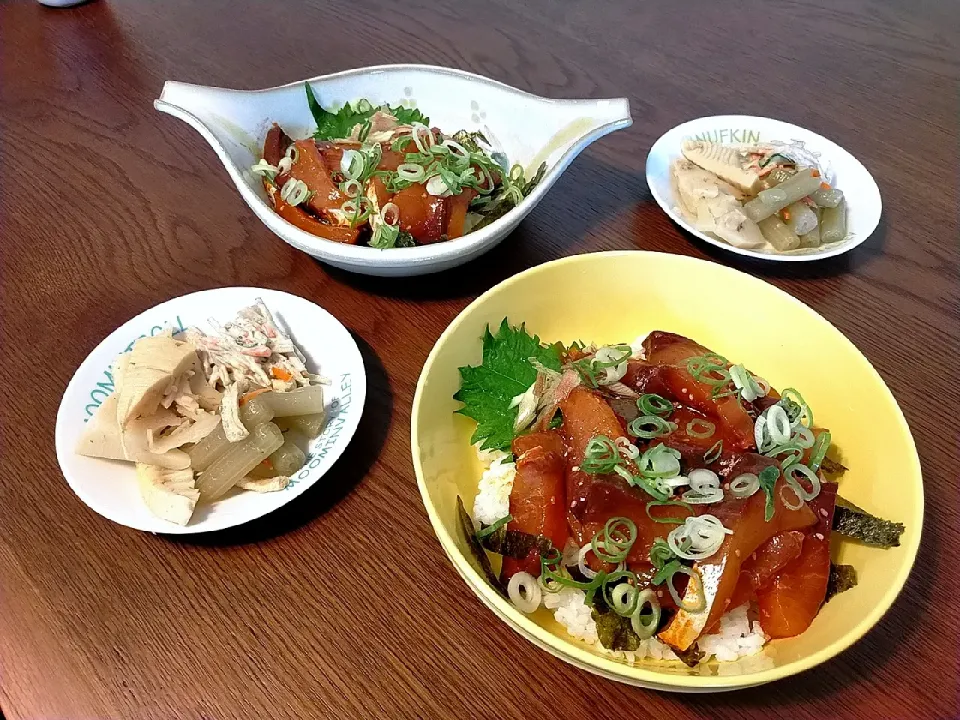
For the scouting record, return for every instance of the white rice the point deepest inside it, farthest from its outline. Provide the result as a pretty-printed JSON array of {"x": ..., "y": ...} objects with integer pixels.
[
  {"x": 493, "y": 492},
  {"x": 736, "y": 645}
]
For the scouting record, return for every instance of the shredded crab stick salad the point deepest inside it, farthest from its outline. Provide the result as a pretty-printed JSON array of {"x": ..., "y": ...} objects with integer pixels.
[
  {"x": 660, "y": 500},
  {"x": 381, "y": 176},
  {"x": 207, "y": 413}
]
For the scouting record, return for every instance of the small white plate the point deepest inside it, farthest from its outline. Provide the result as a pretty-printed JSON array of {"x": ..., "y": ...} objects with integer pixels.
[
  {"x": 110, "y": 486},
  {"x": 846, "y": 172}
]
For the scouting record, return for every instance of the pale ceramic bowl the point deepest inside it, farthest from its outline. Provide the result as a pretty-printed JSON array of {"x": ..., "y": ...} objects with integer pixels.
[
  {"x": 616, "y": 296},
  {"x": 528, "y": 129},
  {"x": 844, "y": 171}
]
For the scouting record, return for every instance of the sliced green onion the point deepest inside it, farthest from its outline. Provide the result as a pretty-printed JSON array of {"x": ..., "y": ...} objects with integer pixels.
[
  {"x": 351, "y": 188},
  {"x": 659, "y": 461},
  {"x": 788, "y": 504},
  {"x": 264, "y": 169},
  {"x": 793, "y": 451},
  {"x": 646, "y": 628},
  {"x": 792, "y": 475},
  {"x": 803, "y": 437},
  {"x": 601, "y": 456},
  {"x": 768, "y": 479},
  {"x": 819, "y": 450},
  {"x": 621, "y": 596},
  {"x": 294, "y": 192},
  {"x": 778, "y": 424},
  {"x": 743, "y": 486},
  {"x": 663, "y": 503},
  {"x": 701, "y": 603},
  {"x": 660, "y": 555},
  {"x": 352, "y": 163},
  {"x": 745, "y": 383},
  {"x": 411, "y": 173},
  {"x": 803, "y": 413},
  {"x": 650, "y": 426},
  {"x": 713, "y": 454},
  {"x": 700, "y": 428},
  {"x": 653, "y": 404},
  {"x": 613, "y": 543},
  {"x": 490, "y": 529}
]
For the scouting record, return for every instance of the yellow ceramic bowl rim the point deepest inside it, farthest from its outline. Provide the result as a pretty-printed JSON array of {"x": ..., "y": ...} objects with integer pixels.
[{"x": 609, "y": 668}]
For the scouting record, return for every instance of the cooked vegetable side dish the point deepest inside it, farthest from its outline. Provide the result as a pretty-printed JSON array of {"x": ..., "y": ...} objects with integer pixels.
[
  {"x": 772, "y": 197},
  {"x": 661, "y": 501},
  {"x": 381, "y": 176},
  {"x": 208, "y": 413}
]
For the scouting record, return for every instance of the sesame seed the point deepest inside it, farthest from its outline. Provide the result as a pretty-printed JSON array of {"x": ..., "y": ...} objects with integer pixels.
[
  {"x": 683, "y": 390},
  {"x": 737, "y": 553},
  {"x": 690, "y": 396},
  {"x": 819, "y": 536},
  {"x": 823, "y": 512}
]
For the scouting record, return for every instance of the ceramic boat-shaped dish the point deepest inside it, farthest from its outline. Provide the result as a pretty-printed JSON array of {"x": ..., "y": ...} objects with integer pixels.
[{"x": 526, "y": 128}]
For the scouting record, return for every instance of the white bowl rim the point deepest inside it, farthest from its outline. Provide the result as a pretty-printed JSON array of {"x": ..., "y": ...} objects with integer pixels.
[
  {"x": 400, "y": 257},
  {"x": 570, "y": 651},
  {"x": 837, "y": 249}
]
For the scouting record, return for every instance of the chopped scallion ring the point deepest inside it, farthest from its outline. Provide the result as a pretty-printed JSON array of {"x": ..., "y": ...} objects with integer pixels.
[
  {"x": 601, "y": 456},
  {"x": 713, "y": 454},
  {"x": 700, "y": 428},
  {"x": 665, "y": 503},
  {"x": 653, "y": 404},
  {"x": 650, "y": 426}
]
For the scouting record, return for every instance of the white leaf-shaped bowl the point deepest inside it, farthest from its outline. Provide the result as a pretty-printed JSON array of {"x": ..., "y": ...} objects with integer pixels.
[{"x": 528, "y": 129}]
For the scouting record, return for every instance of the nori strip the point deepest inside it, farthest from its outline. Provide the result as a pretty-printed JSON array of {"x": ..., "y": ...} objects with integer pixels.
[
  {"x": 476, "y": 549},
  {"x": 842, "y": 578},
  {"x": 614, "y": 631},
  {"x": 691, "y": 656},
  {"x": 832, "y": 467},
  {"x": 855, "y": 522},
  {"x": 515, "y": 543}
]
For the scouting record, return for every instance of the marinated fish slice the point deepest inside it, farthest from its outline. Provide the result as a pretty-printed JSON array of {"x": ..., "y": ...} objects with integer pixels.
[{"x": 726, "y": 162}]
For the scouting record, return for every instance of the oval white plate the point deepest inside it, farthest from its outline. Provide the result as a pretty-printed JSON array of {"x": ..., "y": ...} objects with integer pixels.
[
  {"x": 849, "y": 174},
  {"x": 110, "y": 486},
  {"x": 528, "y": 129}
]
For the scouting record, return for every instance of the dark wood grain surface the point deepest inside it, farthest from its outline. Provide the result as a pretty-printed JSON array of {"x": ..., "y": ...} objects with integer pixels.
[{"x": 108, "y": 207}]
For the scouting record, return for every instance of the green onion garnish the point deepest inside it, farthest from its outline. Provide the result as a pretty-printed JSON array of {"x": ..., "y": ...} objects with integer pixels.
[
  {"x": 660, "y": 553},
  {"x": 793, "y": 453},
  {"x": 490, "y": 529},
  {"x": 601, "y": 456},
  {"x": 621, "y": 596},
  {"x": 713, "y": 454},
  {"x": 700, "y": 428},
  {"x": 819, "y": 451},
  {"x": 653, "y": 404},
  {"x": 768, "y": 479},
  {"x": 796, "y": 407},
  {"x": 613, "y": 543},
  {"x": 660, "y": 503},
  {"x": 650, "y": 426},
  {"x": 554, "y": 577}
]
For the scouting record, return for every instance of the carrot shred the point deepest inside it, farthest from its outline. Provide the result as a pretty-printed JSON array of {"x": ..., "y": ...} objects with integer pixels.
[
  {"x": 815, "y": 172},
  {"x": 247, "y": 397},
  {"x": 281, "y": 374},
  {"x": 786, "y": 214}
]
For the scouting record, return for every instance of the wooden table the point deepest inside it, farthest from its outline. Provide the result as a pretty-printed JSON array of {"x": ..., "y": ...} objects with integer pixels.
[{"x": 108, "y": 207}]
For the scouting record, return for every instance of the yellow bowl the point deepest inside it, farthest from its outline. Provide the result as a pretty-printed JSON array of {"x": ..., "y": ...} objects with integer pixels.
[{"x": 616, "y": 296}]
